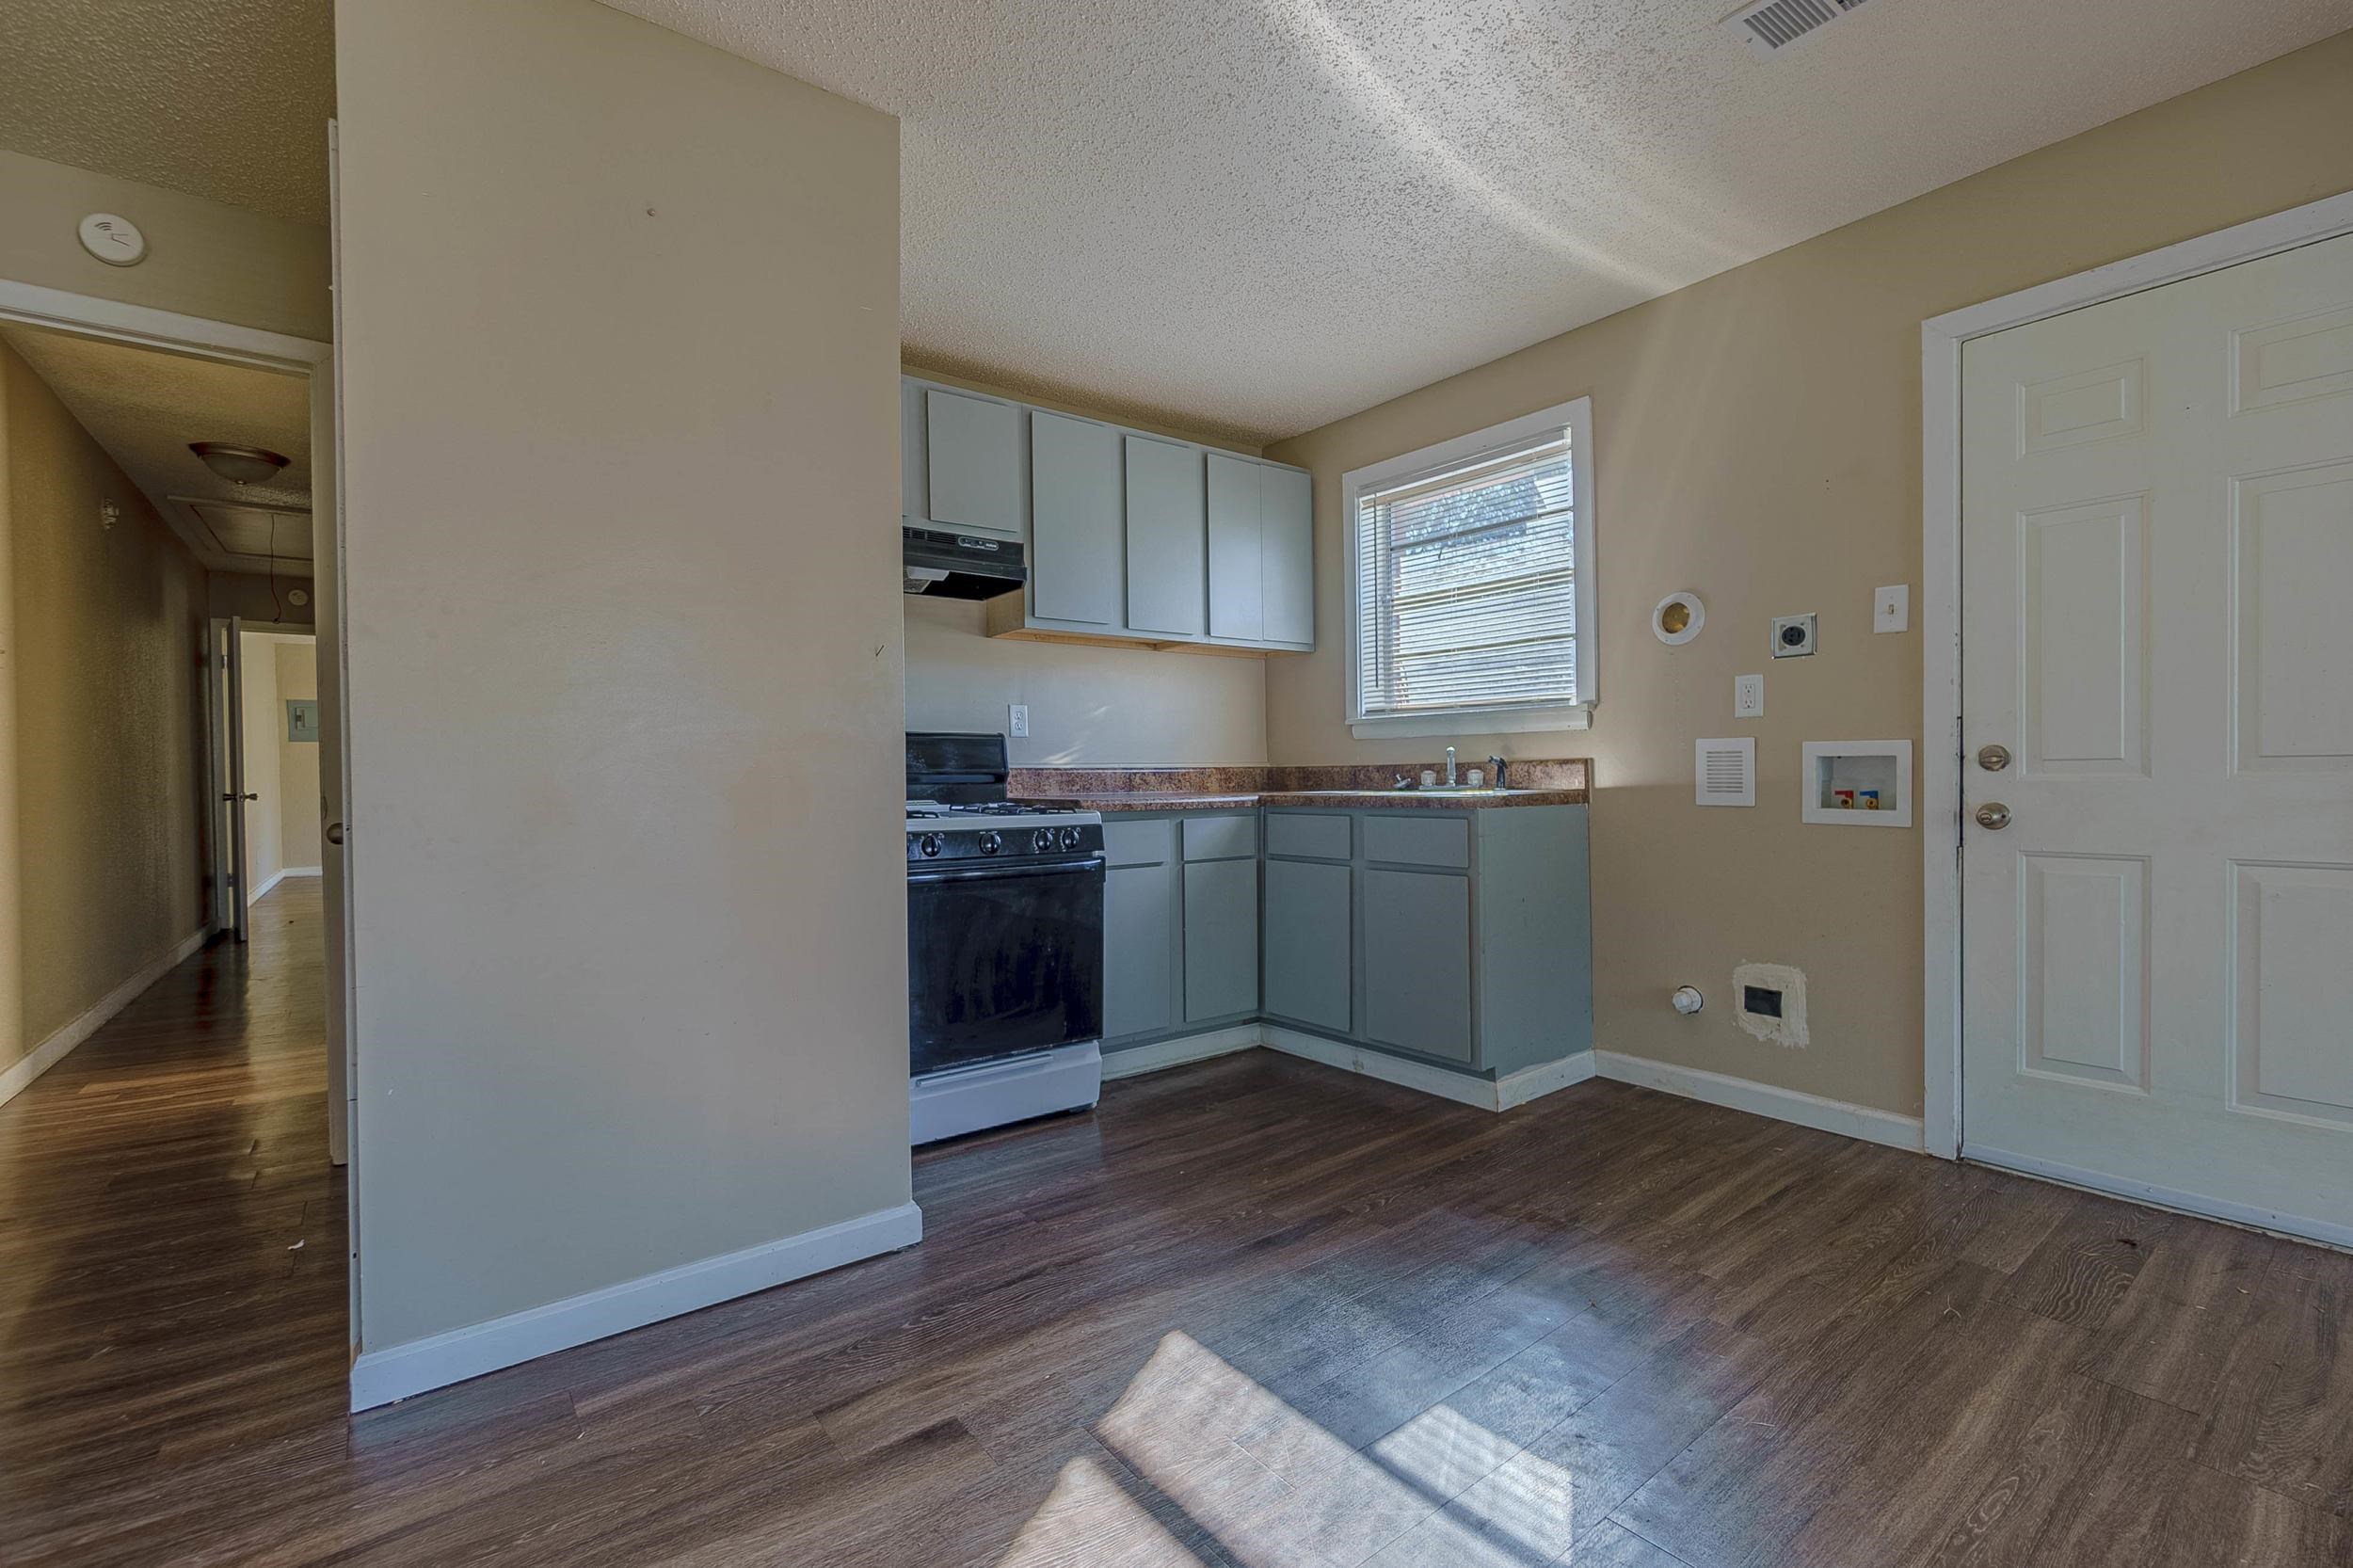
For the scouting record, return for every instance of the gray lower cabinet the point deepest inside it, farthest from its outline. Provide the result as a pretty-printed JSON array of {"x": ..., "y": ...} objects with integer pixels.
[
  {"x": 1139, "y": 950},
  {"x": 1220, "y": 938},
  {"x": 1418, "y": 961},
  {"x": 1308, "y": 941}
]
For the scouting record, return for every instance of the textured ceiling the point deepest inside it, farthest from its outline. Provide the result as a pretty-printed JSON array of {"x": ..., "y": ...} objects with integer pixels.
[
  {"x": 145, "y": 405},
  {"x": 1255, "y": 218},
  {"x": 226, "y": 99}
]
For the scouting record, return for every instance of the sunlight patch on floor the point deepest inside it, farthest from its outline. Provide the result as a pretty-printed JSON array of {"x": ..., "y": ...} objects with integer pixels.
[{"x": 1277, "y": 1491}]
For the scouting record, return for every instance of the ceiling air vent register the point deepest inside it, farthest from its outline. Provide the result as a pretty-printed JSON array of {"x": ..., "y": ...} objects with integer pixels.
[{"x": 1770, "y": 28}]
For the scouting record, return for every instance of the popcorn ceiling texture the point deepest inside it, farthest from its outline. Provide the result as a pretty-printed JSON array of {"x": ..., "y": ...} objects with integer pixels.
[
  {"x": 1259, "y": 217},
  {"x": 225, "y": 98}
]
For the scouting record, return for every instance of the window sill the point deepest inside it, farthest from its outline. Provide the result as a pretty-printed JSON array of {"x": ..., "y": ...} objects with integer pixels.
[{"x": 1474, "y": 721}]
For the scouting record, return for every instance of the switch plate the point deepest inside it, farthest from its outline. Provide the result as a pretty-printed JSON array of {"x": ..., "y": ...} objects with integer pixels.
[
  {"x": 1748, "y": 696},
  {"x": 1891, "y": 609},
  {"x": 1017, "y": 723}
]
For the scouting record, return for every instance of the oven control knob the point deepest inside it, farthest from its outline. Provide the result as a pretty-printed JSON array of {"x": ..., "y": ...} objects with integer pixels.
[
  {"x": 1071, "y": 837},
  {"x": 929, "y": 843},
  {"x": 1042, "y": 842},
  {"x": 990, "y": 843}
]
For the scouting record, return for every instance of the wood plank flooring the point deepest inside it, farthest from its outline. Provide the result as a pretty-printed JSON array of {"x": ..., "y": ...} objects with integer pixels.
[{"x": 1250, "y": 1313}]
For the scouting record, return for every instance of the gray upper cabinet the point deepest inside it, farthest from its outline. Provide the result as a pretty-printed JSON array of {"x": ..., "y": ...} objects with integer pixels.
[
  {"x": 1130, "y": 537},
  {"x": 1236, "y": 532},
  {"x": 972, "y": 447},
  {"x": 1418, "y": 961},
  {"x": 1287, "y": 555},
  {"x": 1220, "y": 938},
  {"x": 1077, "y": 553},
  {"x": 1307, "y": 945},
  {"x": 1167, "y": 538}
]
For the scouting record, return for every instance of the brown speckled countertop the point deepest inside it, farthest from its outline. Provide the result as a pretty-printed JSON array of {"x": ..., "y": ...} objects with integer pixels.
[{"x": 1535, "y": 781}]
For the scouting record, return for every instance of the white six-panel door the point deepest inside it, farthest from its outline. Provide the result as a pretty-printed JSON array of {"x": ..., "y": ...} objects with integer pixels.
[{"x": 2157, "y": 625}]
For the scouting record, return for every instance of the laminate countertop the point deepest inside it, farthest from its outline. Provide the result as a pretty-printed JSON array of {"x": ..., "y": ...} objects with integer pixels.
[{"x": 1349, "y": 787}]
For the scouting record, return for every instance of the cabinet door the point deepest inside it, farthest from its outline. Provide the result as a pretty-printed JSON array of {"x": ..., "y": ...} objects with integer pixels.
[
  {"x": 1287, "y": 545},
  {"x": 1306, "y": 943},
  {"x": 1234, "y": 548},
  {"x": 1167, "y": 545},
  {"x": 1077, "y": 511},
  {"x": 1139, "y": 950},
  {"x": 1220, "y": 938},
  {"x": 915, "y": 489},
  {"x": 974, "y": 451},
  {"x": 1418, "y": 961}
]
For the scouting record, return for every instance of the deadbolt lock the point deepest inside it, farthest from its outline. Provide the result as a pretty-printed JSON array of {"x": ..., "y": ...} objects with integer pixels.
[{"x": 1993, "y": 758}]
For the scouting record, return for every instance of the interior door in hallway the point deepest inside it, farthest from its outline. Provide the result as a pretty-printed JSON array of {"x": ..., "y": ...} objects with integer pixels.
[{"x": 2157, "y": 864}]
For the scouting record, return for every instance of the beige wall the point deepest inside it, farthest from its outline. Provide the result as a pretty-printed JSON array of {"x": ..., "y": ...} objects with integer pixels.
[
  {"x": 1119, "y": 707},
  {"x": 631, "y": 948},
  {"x": 297, "y": 760},
  {"x": 204, "y": 258},
  {"x": 104, "y": 832},
  {"x": 1758, "y": 440}
]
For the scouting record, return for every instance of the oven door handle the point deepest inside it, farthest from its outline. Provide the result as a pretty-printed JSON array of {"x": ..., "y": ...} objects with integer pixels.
[{"x": 996, "y": 874}]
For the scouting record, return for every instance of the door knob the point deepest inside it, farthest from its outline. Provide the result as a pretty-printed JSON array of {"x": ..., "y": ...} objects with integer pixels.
[
  {"x": 233, "y": 796},
  {"x": 1993, "y": 758},
  {"x": 1993, "y": 814},
  {"x": 334, "y": 833}
]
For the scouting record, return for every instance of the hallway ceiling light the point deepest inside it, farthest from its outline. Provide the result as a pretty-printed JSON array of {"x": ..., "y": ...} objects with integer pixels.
[{"x": 239, "y": 465}]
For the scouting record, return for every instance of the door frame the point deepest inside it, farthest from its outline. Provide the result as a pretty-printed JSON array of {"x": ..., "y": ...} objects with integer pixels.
[
  {"x": 198, "y": 337},
  {"x": 1941, "y": 761}
]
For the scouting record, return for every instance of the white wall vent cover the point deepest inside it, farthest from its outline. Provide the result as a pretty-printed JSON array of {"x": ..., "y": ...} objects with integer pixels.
[
  {"x": 1770, "y": 28},
  {"x": 1724, "y": 772}
]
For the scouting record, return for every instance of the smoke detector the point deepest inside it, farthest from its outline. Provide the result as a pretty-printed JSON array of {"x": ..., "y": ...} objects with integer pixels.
[{"x": 1773, "y": 26}]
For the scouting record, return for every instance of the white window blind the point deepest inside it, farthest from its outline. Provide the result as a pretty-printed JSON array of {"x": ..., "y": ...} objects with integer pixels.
[{"x": 1466, "y": 583}]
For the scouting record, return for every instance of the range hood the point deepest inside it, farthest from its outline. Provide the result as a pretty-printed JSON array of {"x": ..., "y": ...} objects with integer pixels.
[{"x": 960, "y": 565}]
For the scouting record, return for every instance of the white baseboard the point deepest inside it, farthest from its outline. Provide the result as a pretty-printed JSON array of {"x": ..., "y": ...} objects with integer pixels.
[
  {"x": 52, "y": 1050},
  {"x": 379, "y": 1377},
  {"x": 1462, "y": 1088},
  {"x": 1784, "y": 1105},
  {"x": 2331, "y": 1233},
  {"x": 279, "y": 876},
  {"x": 1164, "y": 1054}
]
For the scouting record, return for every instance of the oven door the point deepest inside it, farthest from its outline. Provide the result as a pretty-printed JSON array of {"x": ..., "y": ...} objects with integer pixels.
[{"x": 1003, "y": 960}]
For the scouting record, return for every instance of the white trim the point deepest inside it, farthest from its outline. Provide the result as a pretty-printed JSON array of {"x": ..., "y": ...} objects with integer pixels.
[
  {"x": 1940, "y": 340},
  {"x": 1164, "y": 1054},
  {"x": 88, "y": 316},
  {"x": 20, "y": 1074},
  {"x": 1463, "y": 1088},
  {"x": 283, "y": 872},
  {"x": 1577, "y": 417},
  {"x": 1473, "y": 721},
  {"x": 2328, "y": 1232},
  {"x": 1543, "y": 1079},
  {"x": 379, "y": 1377},
  {"x": 1764, "y": 1099}
]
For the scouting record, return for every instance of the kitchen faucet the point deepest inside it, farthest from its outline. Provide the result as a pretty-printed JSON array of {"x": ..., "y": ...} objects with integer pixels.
[
  {"x": 1450, "y": 767},
  {"x": 1494, "y": 771}
]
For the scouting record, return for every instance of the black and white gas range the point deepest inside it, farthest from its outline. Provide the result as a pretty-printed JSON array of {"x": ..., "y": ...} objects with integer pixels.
[{"x": 1004, "y": 944}]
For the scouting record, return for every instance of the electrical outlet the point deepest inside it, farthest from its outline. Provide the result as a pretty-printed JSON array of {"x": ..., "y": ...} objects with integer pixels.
[
  {"x": 1018, "y": 722},
  {"x": 1748, "y": 696},
  {"x": 1891, "y": 609},
  {"x": 1793, "y": 636}
]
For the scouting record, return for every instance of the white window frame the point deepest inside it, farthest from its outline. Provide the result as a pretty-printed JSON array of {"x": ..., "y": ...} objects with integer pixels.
[{"x": 1577, "y": 417}]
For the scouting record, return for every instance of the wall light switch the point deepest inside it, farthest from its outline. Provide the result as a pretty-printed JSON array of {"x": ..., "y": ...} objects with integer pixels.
[
  {"x": 1891, "y": 609},
  {"x": 1017, "y": 723},
  {"x": 1748, "y": 696}
]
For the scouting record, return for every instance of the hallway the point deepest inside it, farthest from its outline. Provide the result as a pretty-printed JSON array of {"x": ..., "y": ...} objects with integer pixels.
[{"x": 171, "y": 1234}]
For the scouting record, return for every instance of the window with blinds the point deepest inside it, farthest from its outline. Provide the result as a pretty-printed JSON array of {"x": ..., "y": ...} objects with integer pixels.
[{"x": 1466, "y": 580}]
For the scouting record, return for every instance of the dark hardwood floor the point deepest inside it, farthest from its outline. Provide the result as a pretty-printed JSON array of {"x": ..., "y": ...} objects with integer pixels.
[{"x": 1252, "y": 1312}]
